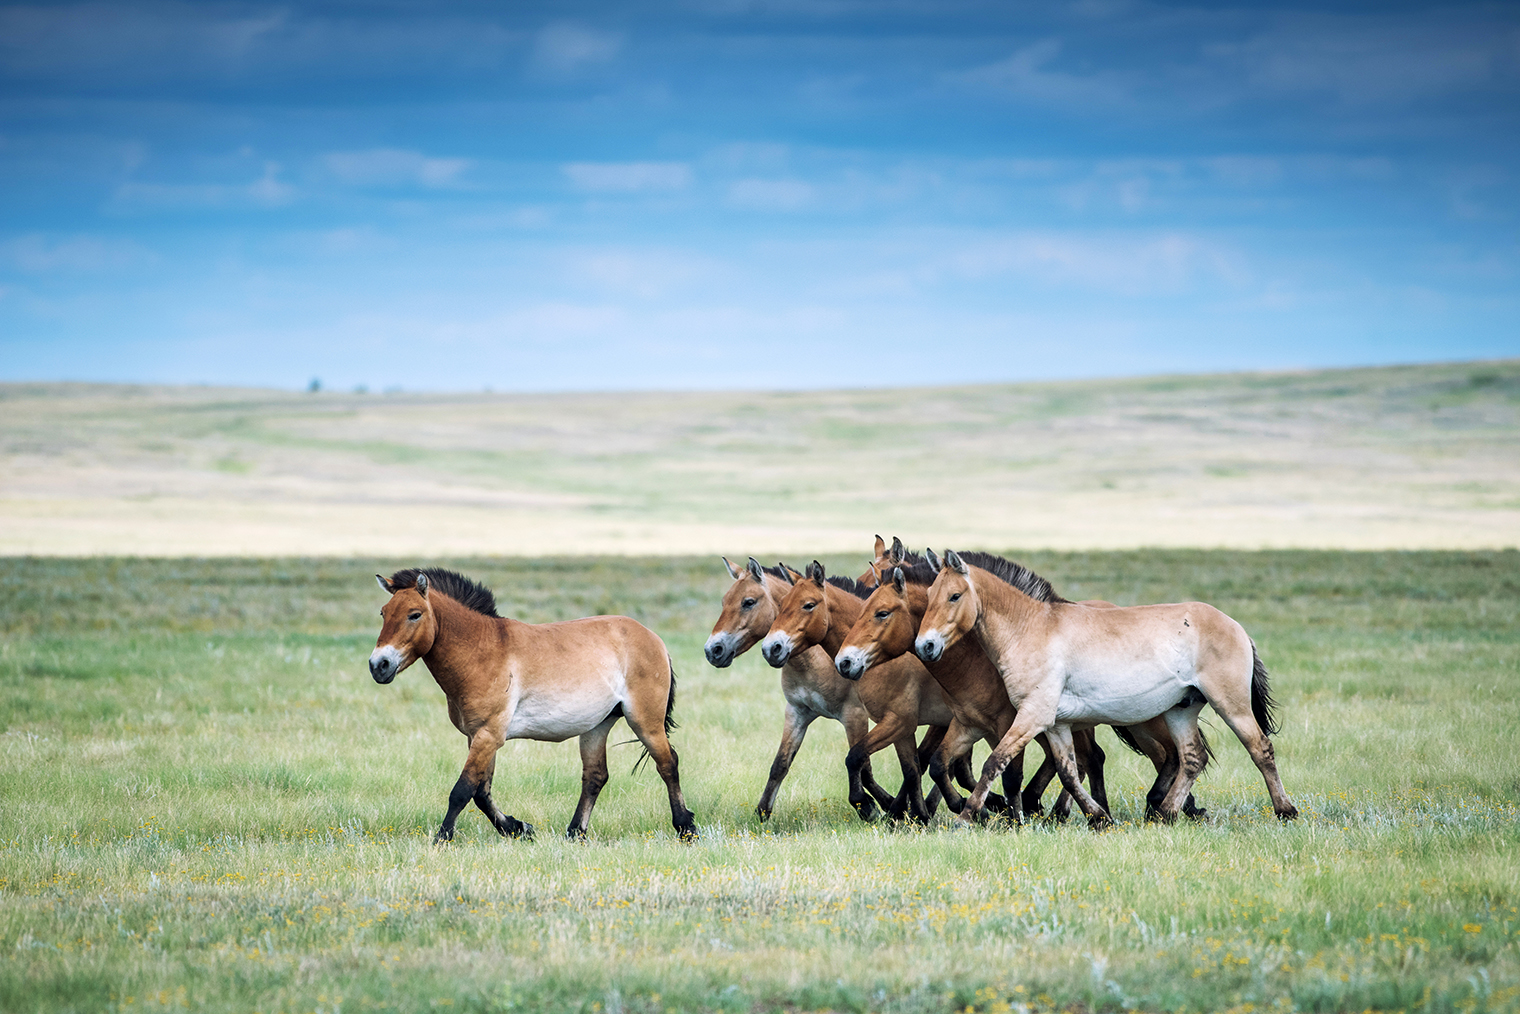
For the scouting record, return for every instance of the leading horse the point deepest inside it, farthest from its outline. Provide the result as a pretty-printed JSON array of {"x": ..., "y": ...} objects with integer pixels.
[
  {"x": 506, "y": 679},
  {"x": 1068, "y": 665}
]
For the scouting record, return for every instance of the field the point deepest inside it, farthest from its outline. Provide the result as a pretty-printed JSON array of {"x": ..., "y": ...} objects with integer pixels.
[
  {"x": 1410, "y": 457},
  {"x": 208, "y": 805}
]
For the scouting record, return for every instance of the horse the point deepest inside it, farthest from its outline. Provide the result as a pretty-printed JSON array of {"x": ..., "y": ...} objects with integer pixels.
[
  {"x": 883, "y": 634},
  {"x": 901, "y": 695},
  {"x": 506, "y": 679},
  {"x": 809, "y": 684},
  {"x": 1068, "y": 665},
  {"x": 887, "y": 628}
]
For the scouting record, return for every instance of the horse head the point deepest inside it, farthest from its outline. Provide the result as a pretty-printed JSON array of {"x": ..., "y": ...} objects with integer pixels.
[
  {"x": 952, "y": 610},
  {"x": 407, "y": 627},
  {"x": 747, "y": 614},
  {"x": 802, "y": 619}
]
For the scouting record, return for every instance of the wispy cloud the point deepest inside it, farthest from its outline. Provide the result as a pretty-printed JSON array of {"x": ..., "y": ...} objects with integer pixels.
[
  {"x": 1029, "y": 73},
  {"x": 38, "y": 253},
  {"x": 628, "y": 177},
  {"x": 392, "y": 167},
  {"x": 771, "y": 195},
  {"x": 566, "y": 47},
  {"x": 268, "y": 191}
]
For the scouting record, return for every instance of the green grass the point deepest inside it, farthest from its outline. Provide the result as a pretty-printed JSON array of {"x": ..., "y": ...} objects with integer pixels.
[{"x": 206, "y": 803}]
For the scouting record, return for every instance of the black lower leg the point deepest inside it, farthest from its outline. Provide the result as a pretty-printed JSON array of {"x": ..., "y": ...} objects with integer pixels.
[{"x": 459, "y": 798}]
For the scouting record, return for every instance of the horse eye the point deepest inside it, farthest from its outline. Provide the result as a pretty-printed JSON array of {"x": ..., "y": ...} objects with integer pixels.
[
  {"x": 414, "y": 615},
  {"x": 748, "y": 604},
  {"x": 956, "y": 597},
  {"x": 808, "y": 606},
  {"x": 882, "y": 614}
]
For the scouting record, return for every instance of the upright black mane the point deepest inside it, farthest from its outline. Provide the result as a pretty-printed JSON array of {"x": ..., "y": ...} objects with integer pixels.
[
  {"x": 915, "y": 568},
  {"x": 849, "y": 584},
  {"x": 470, "y": 594},
  {"x": 1016, "y": 574}
]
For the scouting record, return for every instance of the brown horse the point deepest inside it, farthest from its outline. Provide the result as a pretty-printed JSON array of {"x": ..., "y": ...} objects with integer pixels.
[
  {"x": 505, "y": 679},
  {"x": 809, "y": 684},
  {"x": 1069, "y": 665},
  {"x": 901, "y": 695},
  {"x": 887, "y": 628}
]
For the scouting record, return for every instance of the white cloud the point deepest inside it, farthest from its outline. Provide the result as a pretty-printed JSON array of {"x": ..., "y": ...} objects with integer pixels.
[
  {"x": 563, "y": 47},
  {"x": 771, "y": 195},
  {"x": 628, "y": 177},
  {"x": 39, "y": 254},
  {"x": 266, "y": 191},
  {"x": 392, "y": 166},
  {"x": 1027, "y": 74}
]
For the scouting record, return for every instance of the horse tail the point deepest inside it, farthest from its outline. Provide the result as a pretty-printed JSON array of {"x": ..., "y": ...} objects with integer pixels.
[
  {"x": 670, "y": 704},
  {"x": 1262, "y": 704},
  {"x": 1127, "y": 738},
  {"x": 670, "y": 718}
]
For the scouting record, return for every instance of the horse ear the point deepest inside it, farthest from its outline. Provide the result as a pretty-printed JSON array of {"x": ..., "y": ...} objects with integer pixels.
[
  {"x": 732, "y": 570},
  {"x": 385, "y": 585},
  {"x": 422, "y": 585},
  {"x": 956, "y": 563},
  {"x": 875, "y": 574},
  {"x": 789, "y": 573},
  {"x": 899, "y": 551},
  {"x": 755, "y": 571},
  {"x": 815, "y": 571},
  {"x": 898, "y": 580},
  {"x": 933, "y": 560},
  {"x": 881, "y": 547}
]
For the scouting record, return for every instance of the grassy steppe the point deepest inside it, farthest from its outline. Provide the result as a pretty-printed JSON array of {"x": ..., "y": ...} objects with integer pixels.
[{"x": 208, "y": 804}]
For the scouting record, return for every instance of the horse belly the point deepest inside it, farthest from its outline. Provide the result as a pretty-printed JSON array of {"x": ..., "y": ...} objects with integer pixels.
[
  {"x": 557, "y": 717},
  {"x": 1122, "y": 698}
]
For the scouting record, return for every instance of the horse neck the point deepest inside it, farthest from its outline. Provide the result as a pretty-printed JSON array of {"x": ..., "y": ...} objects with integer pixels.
[
  {"x": 844, "y": 610},
  {"x": 1005, "y": 617},
  {"x": 454, "y": 657}
]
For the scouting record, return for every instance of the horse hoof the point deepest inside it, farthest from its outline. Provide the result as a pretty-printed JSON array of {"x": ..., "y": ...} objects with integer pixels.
[
  {"x": 1196, "y": 814},
  {"x": 867, "y": 810},
  {"x": 762, "y": 813},
  {"x": 687, "y": 832},
  {"x": 1291, "y": 813},
  {"x": 574, "y": 833}
]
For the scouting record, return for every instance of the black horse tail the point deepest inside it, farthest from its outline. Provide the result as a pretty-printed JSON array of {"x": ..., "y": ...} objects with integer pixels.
[
  {"x": 1127, "y": 738},
  {"x": 671, "y": 724},
  {"x": 1262, "y": 704}
]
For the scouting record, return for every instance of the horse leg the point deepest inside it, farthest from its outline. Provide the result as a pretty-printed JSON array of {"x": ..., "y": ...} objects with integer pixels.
[
  {"x": 1058, "y": 737},
  {"x": 1035, "y": 715},
  {"x": 928, "y": 747},
  {"x": 916, "y": 807},
  {"x": 1090, "y": 757},
  {"x": 793, "y": 730},
  {"x": 478, "y": 767},
  {"x": 646, "y": 717},
  {"x": 593, "y": 776},
  {"x": 890, "y": 729},
  {"x": 1243, "y": 723},
  {"x": 866, "y": 794},
  {"x": 507, "y": 827},
  {"x": 1182, "y": 722},
  {"x": 951, "y": 754},
  {"x": 1036, "y": 787}
]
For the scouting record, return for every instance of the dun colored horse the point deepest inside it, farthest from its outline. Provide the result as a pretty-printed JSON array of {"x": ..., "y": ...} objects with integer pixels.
[
  {"x": 887, "y": 628},
  {"x": 901, "y": 695},
  {"x": 809, "y": 684},
  {"x": 505, "y": 679},
  {"x": 1069, "y": 665}
]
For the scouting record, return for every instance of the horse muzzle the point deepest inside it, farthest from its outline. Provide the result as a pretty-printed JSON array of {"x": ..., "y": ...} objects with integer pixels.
[
  {"x": 720, "y": 651},
  {"x": 776, "y": 648},
  {"x": 384, "y": 664},
  {"x": 929, "y": 647},
  {"x": 852, "y": 663}
]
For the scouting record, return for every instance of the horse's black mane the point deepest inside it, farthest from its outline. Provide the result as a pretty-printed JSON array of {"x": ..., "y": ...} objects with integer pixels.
[
  {"x": 849, "y": 584},
  {"x": 1015, "y": 574},
  {"x": 470, "y": 594}
]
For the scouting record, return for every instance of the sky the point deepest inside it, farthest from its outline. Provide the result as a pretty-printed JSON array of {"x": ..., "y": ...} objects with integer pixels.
[{"x": 734, "y": 194}]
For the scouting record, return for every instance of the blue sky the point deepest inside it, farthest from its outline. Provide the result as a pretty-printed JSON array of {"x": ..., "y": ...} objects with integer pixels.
[{"x": 749, "y": 194}]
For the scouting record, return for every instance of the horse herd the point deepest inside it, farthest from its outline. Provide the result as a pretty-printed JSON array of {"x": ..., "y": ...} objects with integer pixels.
[{"x": 972, "y": 646}]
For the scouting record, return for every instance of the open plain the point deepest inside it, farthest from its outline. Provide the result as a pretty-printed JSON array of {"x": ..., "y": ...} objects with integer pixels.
[
  {"x": 1397, "y": 457},
  {"x": 208, "y": 804}
]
